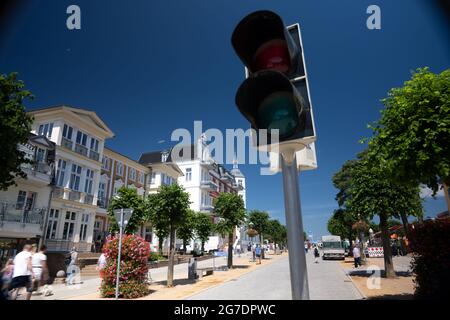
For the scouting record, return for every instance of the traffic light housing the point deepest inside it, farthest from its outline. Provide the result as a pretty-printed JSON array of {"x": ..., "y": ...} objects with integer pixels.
[{"x": 275, "y": 94}]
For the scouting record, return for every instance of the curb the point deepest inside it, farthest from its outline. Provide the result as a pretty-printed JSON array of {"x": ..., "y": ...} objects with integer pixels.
[{"x": 364, "y": 297}]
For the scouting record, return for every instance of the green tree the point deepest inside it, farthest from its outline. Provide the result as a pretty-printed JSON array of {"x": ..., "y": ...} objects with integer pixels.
[
  {"x": 169, "y": 206},
  {"x": 128, "y": 198},
  {"x": 373, "y": 193},
  {"x": 15, "y": 126},
  {"x": 275, "y": 232},
  {"x": 340, "y": 224},
  {"x": 260, "y": 221},
  {"x": 203, "y": 228},
  {"x": 186, "y": 231},
  {"x": 230, "y": 208},
  {"x": 412, "y": 137}
]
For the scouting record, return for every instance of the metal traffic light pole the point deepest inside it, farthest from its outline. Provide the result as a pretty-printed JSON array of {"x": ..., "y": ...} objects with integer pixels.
[{"x": 294, "y": 224}]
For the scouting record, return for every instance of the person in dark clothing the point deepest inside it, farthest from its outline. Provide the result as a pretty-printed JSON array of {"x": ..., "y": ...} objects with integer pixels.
[{"x": 316, "y": 255}]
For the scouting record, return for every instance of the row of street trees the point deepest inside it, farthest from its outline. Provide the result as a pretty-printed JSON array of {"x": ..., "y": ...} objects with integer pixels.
[
  {"x": 410, "y": 146},
  {"x": 169, "y": 213}
]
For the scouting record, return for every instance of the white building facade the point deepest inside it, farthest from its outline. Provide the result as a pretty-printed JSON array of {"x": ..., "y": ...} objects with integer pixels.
[{"x": 79, "y": 136}]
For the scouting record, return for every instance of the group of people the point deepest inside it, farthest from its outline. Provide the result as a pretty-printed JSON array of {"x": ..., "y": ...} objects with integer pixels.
[{"x": 27, "y": 270}]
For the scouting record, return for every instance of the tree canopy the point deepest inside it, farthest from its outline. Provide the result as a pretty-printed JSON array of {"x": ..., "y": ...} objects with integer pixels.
[
  {"x": 229, "y": 207},
  {"x": 412, "y": 137},
  {"x": 127, "y": 198},
  {"x": 260, "y": 222},
  {"x": 15, "y": 126},
  {"x": 169, "y": 207}
]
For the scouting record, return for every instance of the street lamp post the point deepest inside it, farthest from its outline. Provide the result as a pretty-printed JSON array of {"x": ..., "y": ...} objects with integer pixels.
[{"x": 122, "y": 216}]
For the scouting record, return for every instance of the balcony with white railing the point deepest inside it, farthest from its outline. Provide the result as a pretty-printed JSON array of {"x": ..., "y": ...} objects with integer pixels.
[
  {"x": 16, "y": 220},
  {"x": 66, "y": 143},
  {"x": 94, "y": 155},
  {"x": 39, "y": 172},
  {"x": 81, "y": 149},
  {"x": 208, "y": 184},
  {"x": 74, "y": 195},
  {"x": 88, "y": 199}
]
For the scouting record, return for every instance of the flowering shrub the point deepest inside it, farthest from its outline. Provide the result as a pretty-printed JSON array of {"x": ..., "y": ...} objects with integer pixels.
[
  {"x": 133, "y": 267},
  {"x": 430, "y": 243}
]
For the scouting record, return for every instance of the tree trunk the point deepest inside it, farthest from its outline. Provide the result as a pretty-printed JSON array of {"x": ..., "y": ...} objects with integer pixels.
[
  {"x": 203, "y": 246},
  {"x": 405, "y": 223},
  {"x": 184, "y": 246},
  {"x": 230, "y": 250},
  {"x": 388, "y": 264},
  {"x": 160, "y": 245},
  {"x": 171, "y": 257}
]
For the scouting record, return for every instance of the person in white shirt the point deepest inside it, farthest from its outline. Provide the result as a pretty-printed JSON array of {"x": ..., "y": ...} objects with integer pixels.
[
  {"x": 40, "y": 270},
  {"x": 23, "y": 273},
  {"x": 357, "y": 256}
]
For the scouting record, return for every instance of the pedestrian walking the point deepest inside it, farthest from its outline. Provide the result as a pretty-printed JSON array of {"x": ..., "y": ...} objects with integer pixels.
[
  {"x": 23, "y": 273},
  {"x": 101, "y": 264},
  {"x": 306, "y": 247},
  {"x": 6, "y": 277},
  {"x": 72, "y": 268},
  {"x": 40, "y": 269},
  {"x": 316, "y": 255},
  {"x": 258, "y": 253},
  {"x": 357, "y": 256}
]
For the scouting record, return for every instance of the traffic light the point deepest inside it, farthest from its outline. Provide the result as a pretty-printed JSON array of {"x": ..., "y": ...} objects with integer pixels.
[{"x": 275, "y": 94}]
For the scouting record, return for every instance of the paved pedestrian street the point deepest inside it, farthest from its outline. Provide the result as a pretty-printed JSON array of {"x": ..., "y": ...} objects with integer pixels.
[{"x": 327, "y": 281}]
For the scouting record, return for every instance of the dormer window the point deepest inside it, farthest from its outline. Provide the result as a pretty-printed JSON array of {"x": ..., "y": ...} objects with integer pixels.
[
  {"x": 46, "y": 130},
  {"x": 164, "y": 155}
]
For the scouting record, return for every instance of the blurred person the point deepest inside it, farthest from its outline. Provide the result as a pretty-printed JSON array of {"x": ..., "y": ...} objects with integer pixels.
[
  {"x": 23, "y": 273},
  {"x": 6, "y": 277},
  {"x": 40, "y": 269},
  {"x": 357, "y": 256},
  {"x": 316, "y": 254}
]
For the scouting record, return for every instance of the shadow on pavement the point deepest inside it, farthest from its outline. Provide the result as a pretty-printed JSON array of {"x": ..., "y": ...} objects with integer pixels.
[
  {"x": 365, "y": 273},
  {"x": 176, "y": 282},
  {"x": 404, "y": 296}
]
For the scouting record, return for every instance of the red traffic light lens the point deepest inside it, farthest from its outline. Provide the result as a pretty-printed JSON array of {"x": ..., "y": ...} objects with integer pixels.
[
  {"x": 279, "y": 111},
  {"x": 273, "y": 55}
]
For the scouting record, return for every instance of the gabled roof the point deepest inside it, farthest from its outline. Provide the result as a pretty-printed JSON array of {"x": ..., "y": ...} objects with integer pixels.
[
  {"x": 41, "y": 140},
  {"x": 87, "y": 116}
]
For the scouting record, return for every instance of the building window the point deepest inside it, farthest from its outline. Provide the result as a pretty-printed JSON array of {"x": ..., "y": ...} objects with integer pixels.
[
  {"x": 119, "y": 168},
  {"x": 21, "y": 200},
  {"x": 101, "y": 191},
  {"x": 83, "y": 227},
  {"x": 105, "y": 162},
  {"x": 69, "y": 225},
  {"x": 188, "y": 174},
  {"x": 133, "y": 174},
  {"x": 142, "y": 177},
  {"x": 67, "y": 132},
  {"x": 153, "y": 178},
  {"x": 40, "y": 155},
  {"x": 52, "y": 226},
  {"x": 240, "y": 182},
  {"x": 81, "y": 138},
  {"x": 75, "y": 177},
  {"x": 94, "y": 144},
  {"x": 60, "y": 172},
  {"x": 164, "y": 156},
  {"x": 46, "y": 130},
  {"x": 89, "y": 181}
]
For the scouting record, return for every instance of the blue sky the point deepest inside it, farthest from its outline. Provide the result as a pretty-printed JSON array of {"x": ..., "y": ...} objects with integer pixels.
[{"x": 149, "y": 67}]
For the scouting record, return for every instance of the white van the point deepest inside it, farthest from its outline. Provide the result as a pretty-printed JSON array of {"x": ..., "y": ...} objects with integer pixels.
[{"x": 332, "y": 248}]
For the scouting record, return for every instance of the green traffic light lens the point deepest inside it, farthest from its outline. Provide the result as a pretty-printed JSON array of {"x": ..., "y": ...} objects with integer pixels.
[{"x": 278, "y": 111}]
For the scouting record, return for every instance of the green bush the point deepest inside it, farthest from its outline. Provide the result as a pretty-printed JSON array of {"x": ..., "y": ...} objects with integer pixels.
[
  {"x": 430, "y": 244},
  {"x": 155, "y": 256}
]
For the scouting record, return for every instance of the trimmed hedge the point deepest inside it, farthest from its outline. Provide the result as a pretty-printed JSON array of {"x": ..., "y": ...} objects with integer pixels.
[
  {"x": 133, "y": 267},
  {"x": 430, "y": 244}
]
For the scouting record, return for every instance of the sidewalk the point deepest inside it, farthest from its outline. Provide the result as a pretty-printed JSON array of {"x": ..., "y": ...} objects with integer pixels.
[
  {"x": 183, "y": 287},
  {"x": 376, "y": 287}
]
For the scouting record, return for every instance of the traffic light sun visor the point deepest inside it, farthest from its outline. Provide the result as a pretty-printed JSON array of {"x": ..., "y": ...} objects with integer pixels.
[{"x": 254, "y": 32}]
